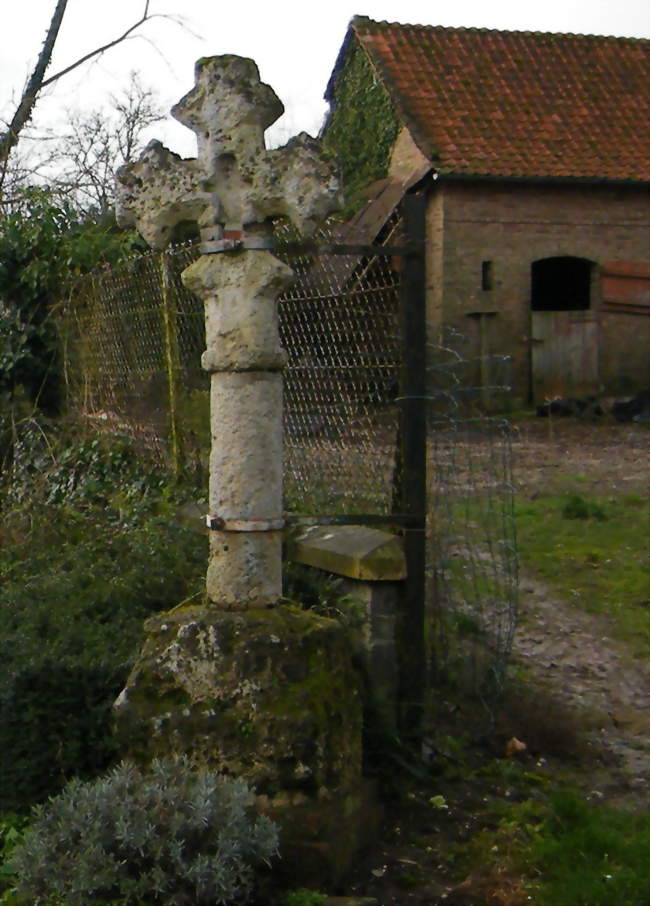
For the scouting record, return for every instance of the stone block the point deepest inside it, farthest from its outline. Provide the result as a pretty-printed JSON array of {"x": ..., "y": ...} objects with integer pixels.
[
  {"x": 355, "y": 551},
  {"x": 271, "y": 695},
  {"x": 373, "y": 564},
  {"x": 379, "y": 605}
]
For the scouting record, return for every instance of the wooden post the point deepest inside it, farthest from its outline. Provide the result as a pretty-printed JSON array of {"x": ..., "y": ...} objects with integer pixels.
[
  {"x": 171, "y": 362},
  {"x": 413, "y": 443}
]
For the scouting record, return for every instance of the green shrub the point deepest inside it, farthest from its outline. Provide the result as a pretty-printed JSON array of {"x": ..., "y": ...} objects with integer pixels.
[
  {"x": 577, "y": 507},
  {"x": 172, "y": 836},
  {"x": 44, "y": 244},
  {"x": 84, "y": 559},
  {"x": 12, "y": 831},
  {"x": 72, "y": 625},
  {"x": 45, "y": 462}
]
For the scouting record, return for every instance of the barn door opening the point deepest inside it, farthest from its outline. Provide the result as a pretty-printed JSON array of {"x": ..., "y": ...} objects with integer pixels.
[{"x": 564, "y": 354}]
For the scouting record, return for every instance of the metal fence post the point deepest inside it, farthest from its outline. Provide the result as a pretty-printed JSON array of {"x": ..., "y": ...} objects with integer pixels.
[{"x": 413, "y": 439}]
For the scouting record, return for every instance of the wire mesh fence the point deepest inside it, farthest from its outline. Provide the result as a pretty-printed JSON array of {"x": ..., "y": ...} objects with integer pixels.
[
  {"x": 133, "y": 338},
  {"x": 472, "y": 558},
  {"x": 339, "y": 326}
]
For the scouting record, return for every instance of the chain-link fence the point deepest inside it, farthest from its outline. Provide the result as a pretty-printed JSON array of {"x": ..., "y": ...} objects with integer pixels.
[
  {"x": 339, "y": 326},
  {"x": 133, "y": 337}
]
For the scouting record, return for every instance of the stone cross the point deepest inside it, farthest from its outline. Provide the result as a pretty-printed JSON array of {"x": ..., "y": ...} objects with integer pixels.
[{"x": 233, "y": 190}]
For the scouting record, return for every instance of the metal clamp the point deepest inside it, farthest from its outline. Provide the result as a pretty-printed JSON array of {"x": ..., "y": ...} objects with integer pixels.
[
  {"x": 218, "y": 524},
  {"x": 254, "y": 243}
]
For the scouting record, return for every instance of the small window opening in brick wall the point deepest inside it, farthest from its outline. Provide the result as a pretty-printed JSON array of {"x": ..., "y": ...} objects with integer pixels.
[
  {"x": 487, "y": 275},
  {"x": 561, "y": 284}
]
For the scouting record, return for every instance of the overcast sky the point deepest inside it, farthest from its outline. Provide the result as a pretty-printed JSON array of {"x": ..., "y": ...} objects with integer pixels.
[{"x": 294, "y": 42}]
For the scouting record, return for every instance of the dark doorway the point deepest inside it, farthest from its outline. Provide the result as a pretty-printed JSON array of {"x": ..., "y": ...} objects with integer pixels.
[
  {"x": 564, "y": 329},
  {"x": 561, "y": 284}
]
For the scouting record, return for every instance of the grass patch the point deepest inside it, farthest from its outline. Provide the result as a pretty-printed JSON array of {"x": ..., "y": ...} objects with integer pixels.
[
  {"x": 590, "y": 854},
  {"x": 555, "y": 846},
  {"x": 594, "y": 551}
]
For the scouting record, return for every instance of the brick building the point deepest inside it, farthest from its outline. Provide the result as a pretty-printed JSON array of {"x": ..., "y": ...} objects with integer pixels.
[{"x": 534, "y": 152}]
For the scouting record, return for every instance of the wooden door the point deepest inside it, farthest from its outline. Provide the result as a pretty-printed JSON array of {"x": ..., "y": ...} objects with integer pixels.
[{"x": 564, "y": 354}]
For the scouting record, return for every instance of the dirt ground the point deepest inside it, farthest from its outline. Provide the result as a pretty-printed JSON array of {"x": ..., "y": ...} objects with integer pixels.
[
  {"x": 614, "y": 457},
  {"x": 570, "y": 657},
  {"x": 568, "y": 650}
]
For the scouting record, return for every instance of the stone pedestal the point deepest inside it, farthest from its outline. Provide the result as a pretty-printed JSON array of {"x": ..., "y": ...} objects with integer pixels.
[{"x": 270, "y": 695}]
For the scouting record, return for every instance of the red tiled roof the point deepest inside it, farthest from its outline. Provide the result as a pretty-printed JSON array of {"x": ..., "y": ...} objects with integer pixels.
[{"x": 518, "y": 104}]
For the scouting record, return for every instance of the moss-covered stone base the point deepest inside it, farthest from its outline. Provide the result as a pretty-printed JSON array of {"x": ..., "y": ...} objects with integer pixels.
[{"x": 270, "y": 695}]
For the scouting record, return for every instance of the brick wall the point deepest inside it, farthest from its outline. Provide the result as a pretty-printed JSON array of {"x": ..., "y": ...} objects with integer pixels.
[{"x": 513, "y": 225}]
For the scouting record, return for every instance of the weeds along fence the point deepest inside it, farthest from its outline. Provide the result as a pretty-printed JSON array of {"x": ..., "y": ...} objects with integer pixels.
[{"x": 132, "y": 339}]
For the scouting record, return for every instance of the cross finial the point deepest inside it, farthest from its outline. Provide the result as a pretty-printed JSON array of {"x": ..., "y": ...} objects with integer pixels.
[
  {"x": 234, "y": 182},
  {"x": 229, "y": 109}
]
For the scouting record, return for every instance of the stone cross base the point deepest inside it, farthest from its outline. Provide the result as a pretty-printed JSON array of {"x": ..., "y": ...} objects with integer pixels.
[{"x": 270, "y": 695}]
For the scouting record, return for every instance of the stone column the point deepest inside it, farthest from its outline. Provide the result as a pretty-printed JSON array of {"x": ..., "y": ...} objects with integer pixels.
[
  {"x": 234, "y": 189},
  {"x": 244, "y": 359}
]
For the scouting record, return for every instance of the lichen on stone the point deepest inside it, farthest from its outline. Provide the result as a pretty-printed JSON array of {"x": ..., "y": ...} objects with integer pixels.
[{"x": 271, "y": 695}]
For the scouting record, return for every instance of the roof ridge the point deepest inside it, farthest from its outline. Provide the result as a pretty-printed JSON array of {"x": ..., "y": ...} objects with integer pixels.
[{"x": 362, "y": 20}]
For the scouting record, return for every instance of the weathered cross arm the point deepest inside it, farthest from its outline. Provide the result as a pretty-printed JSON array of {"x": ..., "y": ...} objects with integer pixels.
[{"x": 159, "y": 191}]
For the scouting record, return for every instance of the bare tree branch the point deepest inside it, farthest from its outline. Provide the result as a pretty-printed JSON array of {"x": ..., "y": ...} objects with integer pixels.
[
  {"x": 145, "y": 17},
  {"x": 82, "y": 165},
  {"x": 37, "y": 80}
]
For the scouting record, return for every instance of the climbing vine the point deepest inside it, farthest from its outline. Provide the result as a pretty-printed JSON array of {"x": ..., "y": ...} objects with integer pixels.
[{"x": 362, "y": 126}]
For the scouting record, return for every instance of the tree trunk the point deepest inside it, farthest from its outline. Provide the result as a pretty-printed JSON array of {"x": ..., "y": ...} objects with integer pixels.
[{"x": 10, "y": 138}]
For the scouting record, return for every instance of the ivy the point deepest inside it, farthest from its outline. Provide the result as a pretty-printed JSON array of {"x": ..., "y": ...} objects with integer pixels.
[
  {"x": 44, "y": 244},
  {"x": 362, "y": 126}
]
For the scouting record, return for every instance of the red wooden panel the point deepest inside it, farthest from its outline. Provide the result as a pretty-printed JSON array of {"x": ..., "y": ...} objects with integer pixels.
[{"x": 626, "y": 287}]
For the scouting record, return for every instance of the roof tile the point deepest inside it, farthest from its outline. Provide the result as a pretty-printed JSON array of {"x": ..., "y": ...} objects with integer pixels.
[{"x": 518, "y": 104}]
